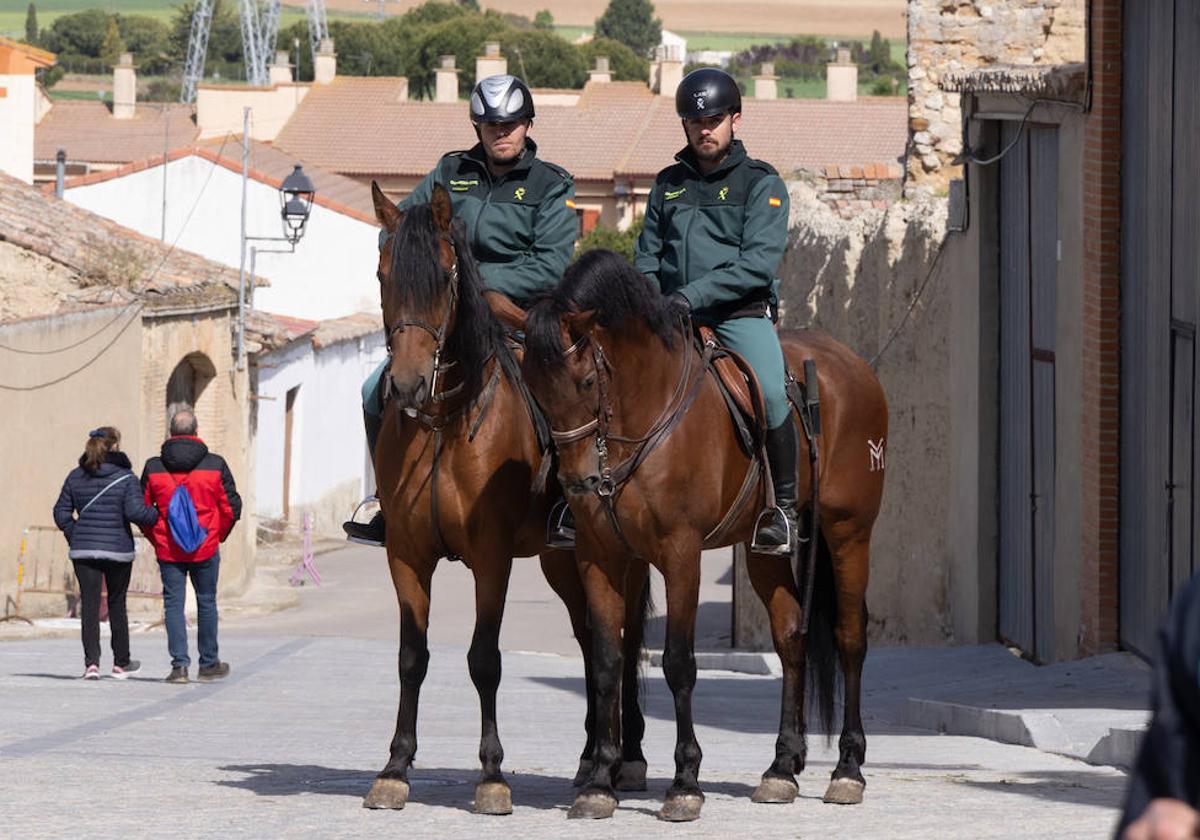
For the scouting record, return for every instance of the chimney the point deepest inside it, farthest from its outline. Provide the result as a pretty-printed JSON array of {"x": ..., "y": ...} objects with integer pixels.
[
  {"x": 491, "y": 63},
  {"x": 281, "y": 70},
  {"x": 666, "y": 70},
  {"x": 600, "y": 73},
  {"x": 325, "y": 63},
  {"x": 841, "y": 78},
  {"x": 766, "y": 82},
  {"x": 447, "y": 81},
  {"x": 124, "y": 88}
]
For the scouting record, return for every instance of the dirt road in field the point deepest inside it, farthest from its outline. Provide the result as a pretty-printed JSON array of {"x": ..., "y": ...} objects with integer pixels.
[{"x": 815, "y": 17}]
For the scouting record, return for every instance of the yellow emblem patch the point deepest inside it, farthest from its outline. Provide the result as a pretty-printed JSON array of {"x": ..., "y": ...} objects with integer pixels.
[
  {"x": 671, "y": 195},
  {"x": 723, "y": 194},
  {"x": 571, "y": 204},
  {"x": 519, "y": 195}
]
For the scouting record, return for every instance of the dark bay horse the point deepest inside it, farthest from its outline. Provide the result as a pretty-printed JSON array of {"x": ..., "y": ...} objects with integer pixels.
[
  {"x": 456, "y": 457},
  {"x": 616, "y": 373}
]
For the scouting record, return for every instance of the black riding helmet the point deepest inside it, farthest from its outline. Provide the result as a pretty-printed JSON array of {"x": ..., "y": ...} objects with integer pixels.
[
  {"x": 706, "y": 92},
  {"x": 501, "y": 99}
]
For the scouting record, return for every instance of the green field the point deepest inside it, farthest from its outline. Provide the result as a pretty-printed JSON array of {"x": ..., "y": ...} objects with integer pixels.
[{"x": 12, "y": 12}]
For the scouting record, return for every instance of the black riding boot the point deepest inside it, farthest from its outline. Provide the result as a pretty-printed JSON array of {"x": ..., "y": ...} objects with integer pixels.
[
  {"x": 560, "y": 528},
  {"x": 375, "y": 531},
  {"x": 777, "y": 534}
]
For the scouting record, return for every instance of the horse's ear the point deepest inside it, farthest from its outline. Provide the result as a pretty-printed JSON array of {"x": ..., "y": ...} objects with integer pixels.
[
  {"x": 386, "y": 212},
  {"x": 439, "y": 203}
]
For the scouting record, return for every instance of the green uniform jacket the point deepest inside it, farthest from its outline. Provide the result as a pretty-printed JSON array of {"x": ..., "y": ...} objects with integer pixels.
[
  {"x": 521, "y": 226},
  {"x": 716, "y": 238}
]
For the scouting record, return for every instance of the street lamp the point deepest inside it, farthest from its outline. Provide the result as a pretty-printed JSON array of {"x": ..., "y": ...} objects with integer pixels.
[
  {"x": 295, "y": 199},
  {"x": 296, "y": 195}
]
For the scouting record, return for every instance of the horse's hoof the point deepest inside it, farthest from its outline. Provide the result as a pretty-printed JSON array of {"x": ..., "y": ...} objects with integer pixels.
[
  {"x": 683, "y": 808},
  {"x": 775, "y": 791},
  {"x": 592, "y": 806},
  {"x": 631, "y": 776},
  {"x": 583, "y": 774},
  {"x": 844, "y": 792},
  {"x": 387, "y": 793},
  {"x": 493, "y": 798}
]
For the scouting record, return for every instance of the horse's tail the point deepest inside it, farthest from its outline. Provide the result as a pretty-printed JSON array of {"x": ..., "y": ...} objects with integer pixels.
[{"x": 820, "y": 646}]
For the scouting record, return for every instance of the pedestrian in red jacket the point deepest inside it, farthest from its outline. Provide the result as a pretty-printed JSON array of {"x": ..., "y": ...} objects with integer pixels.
[{"x": 185, "y": 471}]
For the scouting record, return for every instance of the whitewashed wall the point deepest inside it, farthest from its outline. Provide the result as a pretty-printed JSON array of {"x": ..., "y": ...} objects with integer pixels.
[
  {"x": 18, "y": 110},
  {"x": 331, "y": 274},
  {"x": 330, "y": 470}
]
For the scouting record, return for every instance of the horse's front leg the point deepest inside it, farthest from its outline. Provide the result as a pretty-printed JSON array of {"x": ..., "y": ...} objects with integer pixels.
[
  {"x": 632, "y": 775},
  {"x": 492, "y": 794},
  {"x": 390, "y": 789},
  {"x": 603, "y": 576},
  {"x": 680, "y": 565}
]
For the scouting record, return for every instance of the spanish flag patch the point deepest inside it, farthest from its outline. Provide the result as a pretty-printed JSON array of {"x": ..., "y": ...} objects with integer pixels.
[
  {"x": 775, "y": 202},
  {"x": 571, "y": 204}
]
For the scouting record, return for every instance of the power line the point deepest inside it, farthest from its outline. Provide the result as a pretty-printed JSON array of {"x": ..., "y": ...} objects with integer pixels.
[
  {"x": 82, "y": 367},
  {"x": 913, "y": 303}
]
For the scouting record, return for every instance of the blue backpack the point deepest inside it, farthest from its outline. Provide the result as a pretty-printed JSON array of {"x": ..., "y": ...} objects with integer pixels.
[{"x": 182, "y": 520}]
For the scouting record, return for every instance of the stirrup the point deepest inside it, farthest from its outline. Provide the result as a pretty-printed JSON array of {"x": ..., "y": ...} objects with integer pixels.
[
  {"x": 559, "y": 534},
  {"x": 784, "y": 549},
  {"x": 353, "y": 521}
]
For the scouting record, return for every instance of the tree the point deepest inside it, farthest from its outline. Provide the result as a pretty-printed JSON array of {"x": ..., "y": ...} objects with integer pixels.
[
  {"x": 624, "y": 64},
  {"x": 470, "y": 5},
  {"x": 631, "y": 22},
  {"x": 224, "y": 37},
  {"x": 463, "y": 37},
  {"x": 112, "y": 45},
  {"x": 622, "y": 242},
  {"x": 544, "y": 60},
  {"x": 31, "y": 27},
  {"x": 542, "y": 20},
  {"x": 149, "y": 39},
  {"x": 78, "y": 34}
]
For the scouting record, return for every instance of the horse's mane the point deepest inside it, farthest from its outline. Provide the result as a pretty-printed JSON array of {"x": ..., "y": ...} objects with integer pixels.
[
  {"x": 420, "y": 282},
  {"x": 608, "y": 284}
]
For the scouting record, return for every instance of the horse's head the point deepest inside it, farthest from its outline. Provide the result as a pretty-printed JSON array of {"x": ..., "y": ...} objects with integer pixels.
[
  {"x": 592, "y": 332},
  {"x": 428, "y": 285}
]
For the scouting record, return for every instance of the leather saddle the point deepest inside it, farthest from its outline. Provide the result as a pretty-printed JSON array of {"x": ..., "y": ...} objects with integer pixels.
[{"x": 739, "y": 386}]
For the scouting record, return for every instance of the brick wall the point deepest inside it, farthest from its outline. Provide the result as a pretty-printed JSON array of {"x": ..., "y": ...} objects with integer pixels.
[
  {"x": 949, "y": 35},
  {"x": 1101, "y": 333},
  {"x": 849, "y": 190}
]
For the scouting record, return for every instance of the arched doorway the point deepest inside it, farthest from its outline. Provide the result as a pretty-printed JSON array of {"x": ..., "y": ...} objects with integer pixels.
[{"x": 188, "y": 381}]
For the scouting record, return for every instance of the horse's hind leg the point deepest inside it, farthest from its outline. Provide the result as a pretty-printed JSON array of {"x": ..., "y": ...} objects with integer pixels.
[
  {"x": 390, "y": 789},
  {"x": 492, "y": 794},
  {"x": 850, "y": 564},
  {"x": 563, "y": 576},
  {"x": 775, "y": 585},
  {"x": 632, "y": 775}
]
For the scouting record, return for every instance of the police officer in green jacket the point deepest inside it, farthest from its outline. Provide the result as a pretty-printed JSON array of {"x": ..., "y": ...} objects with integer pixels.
[
  {"x": 519, "y": 212},
  {"x": 715, "y": 231}
]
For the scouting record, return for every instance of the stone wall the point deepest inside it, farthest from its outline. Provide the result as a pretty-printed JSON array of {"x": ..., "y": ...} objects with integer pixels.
[
  {"x": 850, "y": 190},
  {"x": 856, "y": 279},
  {"x": 953, "y": 35}
]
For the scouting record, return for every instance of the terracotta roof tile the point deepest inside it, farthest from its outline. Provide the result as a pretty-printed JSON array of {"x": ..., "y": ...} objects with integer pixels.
[
  {"x": 89, "y": 133},
  {"x": 112, "y": 263}
]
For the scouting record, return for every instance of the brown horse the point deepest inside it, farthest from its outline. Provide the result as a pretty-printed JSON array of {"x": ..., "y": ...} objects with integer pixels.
[
  {"x": 456, "y": 457},
  {"x": 652, "y": 466}
]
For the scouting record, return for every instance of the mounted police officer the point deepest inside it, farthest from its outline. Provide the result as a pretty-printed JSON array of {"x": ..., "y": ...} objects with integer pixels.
[
  {"x": 519, "y": 212},
  {"x": 715, "y": 231}
]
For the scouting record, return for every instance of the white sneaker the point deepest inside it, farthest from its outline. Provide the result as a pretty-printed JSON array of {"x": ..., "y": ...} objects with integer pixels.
[
  {"x": 119, "y": 673},
  {"x": 92, "y": 672}
]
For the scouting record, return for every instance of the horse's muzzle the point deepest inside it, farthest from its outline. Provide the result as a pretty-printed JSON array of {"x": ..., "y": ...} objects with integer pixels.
[{"x": 409, "y": 395}]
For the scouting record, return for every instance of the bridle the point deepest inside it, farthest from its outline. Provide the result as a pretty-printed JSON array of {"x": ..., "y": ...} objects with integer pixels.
[
  {"x": 607, "y": 485},
  {"x": 440, "y": 335}
]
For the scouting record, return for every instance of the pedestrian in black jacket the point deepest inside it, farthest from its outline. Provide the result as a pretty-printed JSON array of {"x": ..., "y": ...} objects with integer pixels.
[
  {"x": 1164, "y": 788},
  {"x": 99, "y": 499}
]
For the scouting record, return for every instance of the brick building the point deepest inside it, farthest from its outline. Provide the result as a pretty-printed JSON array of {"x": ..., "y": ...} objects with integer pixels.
[{"x": 1075, "y": 294}]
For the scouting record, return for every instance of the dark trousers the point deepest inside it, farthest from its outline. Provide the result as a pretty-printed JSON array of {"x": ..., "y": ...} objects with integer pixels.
[{"x": 91, "y": 574}]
